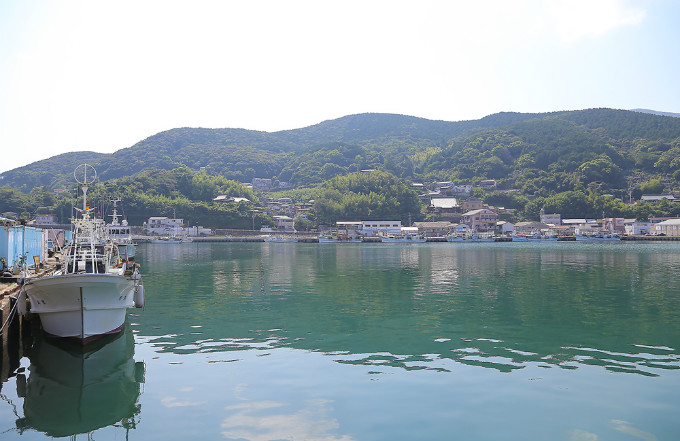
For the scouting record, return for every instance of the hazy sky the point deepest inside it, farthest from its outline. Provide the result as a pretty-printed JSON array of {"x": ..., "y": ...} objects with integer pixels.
[{"x": 103, "y": 75}]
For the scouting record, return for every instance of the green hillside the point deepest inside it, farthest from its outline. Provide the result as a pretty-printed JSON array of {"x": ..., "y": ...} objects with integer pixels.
[
  {"x": 243, "y": 154},
  {"x": 55, "y": 172},
  {"x": 561, "y": 161}
]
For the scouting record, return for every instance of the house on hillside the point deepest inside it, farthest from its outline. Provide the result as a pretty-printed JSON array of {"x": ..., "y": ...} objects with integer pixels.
[
  {"x": 444, "y": 206},
  {"x": 472, "y": 203},
  {"x": 461, "y": 190},
  {"x": 262, "y": 184},
  {"x": 225, "y": 199},
  {"x": 655, "y": 199}
]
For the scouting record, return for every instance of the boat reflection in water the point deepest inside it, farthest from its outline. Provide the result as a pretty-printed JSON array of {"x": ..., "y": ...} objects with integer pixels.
[{"x": 73, "y": 389}]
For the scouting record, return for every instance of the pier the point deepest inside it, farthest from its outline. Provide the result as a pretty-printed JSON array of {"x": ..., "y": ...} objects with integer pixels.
[{"x": 17, "y": 331}]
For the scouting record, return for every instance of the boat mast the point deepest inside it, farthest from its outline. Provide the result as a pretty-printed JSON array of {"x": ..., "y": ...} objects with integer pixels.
[{"x": 85, "y": 176}]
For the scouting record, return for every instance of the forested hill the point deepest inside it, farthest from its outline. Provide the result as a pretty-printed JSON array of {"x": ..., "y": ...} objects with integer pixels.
[{"x": 550, "y": 152}]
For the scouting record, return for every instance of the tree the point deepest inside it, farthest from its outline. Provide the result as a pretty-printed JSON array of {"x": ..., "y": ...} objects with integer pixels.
[{"x": 653, "y": 186}]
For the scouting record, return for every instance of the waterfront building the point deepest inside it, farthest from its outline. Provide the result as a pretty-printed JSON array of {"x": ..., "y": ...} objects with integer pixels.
[
  {"x": 633, "y": 227},
  {"x": 614, "y": 225},
  {"x": 480, "y": 220},
  {"x": 380, "y": 228},
  {"x": 555, "y": 219},
  {"x": 434, "y": 229},
  {"x": 530, "y": 227},
  {"x": 505, "y": 227},
  {"x": 670, "y": 227},
  {"x": 161, "y": 225},
  {"x": 582, "y": 226},
  {"x": 285, "y": 223}
]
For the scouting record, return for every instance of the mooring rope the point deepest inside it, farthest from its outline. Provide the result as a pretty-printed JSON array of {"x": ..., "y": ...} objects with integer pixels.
[{"x": 11, "y": 313}]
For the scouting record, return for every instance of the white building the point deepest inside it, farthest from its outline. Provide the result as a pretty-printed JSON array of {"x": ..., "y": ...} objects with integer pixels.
[
  {"x": 555, "y": 219},
  {"x": 284, "y": 223},
  {"x": 198, "y": 231},
  {"x": 506, "y": 227},
  {"x": 582, "y": 226},
  {"x": 464, "y": 190},
  {"x": 655, "y": 199},
  {"x": 164, "y": 226},
  {"x": 633, "y": 227},
  {"x": 670, "y": 227},
  {"x": 381, "y": 228},
  {"x": 45, "y": 219}
]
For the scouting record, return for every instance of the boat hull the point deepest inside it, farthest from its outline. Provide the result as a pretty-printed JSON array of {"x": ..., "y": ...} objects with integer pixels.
[
  {"x": 323, "y": 239},
  {"x": 81, "y": 306},
  {"x": 406, "y": 239},
  {"x": 73, "y": 390}
]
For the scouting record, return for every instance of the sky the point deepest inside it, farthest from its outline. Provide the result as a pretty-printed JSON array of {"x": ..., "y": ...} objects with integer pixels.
[{"x": 103, "y": 75}]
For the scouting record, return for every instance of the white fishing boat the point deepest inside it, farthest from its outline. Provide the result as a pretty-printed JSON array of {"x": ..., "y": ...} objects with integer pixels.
[
  {"x": 339, "y": 239},
  {"x": 280, "y": 239},
  {"x": 119, "y": 232},
  {"x": 404, "y": 238},
  {"x": 172, "y": 239},
  {"x": 542, "y": 238},
  {"x": 470, "y": 238},
  {"x": 89, "y": 294}
]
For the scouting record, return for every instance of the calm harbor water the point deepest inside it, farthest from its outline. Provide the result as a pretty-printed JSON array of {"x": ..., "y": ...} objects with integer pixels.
[{"x": 267, "y": 341}]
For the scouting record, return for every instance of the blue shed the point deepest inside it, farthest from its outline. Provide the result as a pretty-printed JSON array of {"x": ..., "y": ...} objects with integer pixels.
[{"x": 18, "y": 240}]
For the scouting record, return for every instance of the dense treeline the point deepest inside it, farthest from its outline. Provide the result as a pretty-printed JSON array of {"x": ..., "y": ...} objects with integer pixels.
[
  {"x": 366, "y": 196},
  {"x": 178, "y": 192}
]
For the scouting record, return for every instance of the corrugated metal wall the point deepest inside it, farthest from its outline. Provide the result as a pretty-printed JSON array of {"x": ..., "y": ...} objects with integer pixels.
[{"x": 18, "y": 240}]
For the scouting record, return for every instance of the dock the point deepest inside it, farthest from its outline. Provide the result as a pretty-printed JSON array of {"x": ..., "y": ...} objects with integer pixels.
[
  {"x": 652, "y": 238},
  {"x": 17, "y": 331}
]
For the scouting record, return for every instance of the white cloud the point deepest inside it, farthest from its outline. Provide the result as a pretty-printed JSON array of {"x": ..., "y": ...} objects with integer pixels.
[
  {"x": 309, "y": 424},
  {"x": 174, "y": 402},
  {"x": 576, "y": 19}
]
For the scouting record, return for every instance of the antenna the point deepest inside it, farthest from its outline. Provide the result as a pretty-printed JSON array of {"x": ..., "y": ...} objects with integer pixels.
[
  {"x": 85, "y": 174},
  {"x": 115, "y": 215}
]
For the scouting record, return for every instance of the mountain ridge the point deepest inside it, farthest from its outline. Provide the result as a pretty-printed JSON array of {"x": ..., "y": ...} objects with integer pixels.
[{"x": 409, "y": 146}]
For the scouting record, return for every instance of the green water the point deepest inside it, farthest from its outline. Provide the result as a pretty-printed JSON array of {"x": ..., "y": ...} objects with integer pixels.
[{"x": 265, "y": 341}]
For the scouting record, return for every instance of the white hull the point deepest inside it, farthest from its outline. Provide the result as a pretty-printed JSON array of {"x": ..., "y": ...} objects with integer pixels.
[
  {"x": 72, "y": 390},
  {"x": 280, "y": 239},
  {"x": 81, "y": 306},
  {"x": 323, "y": 239},
  {"x": 405, "y": 239},
  {"x": 170, "y": 241},
  {"x": 469, "y": 239}
]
